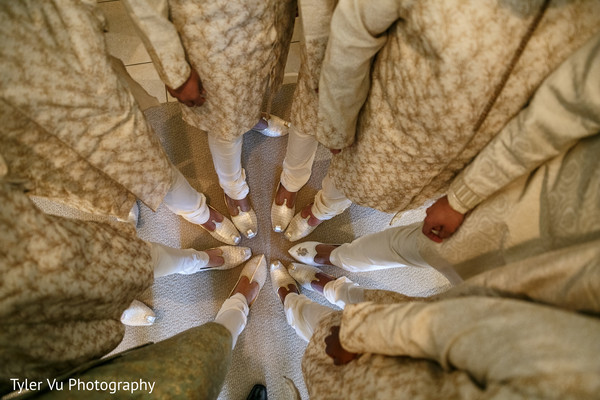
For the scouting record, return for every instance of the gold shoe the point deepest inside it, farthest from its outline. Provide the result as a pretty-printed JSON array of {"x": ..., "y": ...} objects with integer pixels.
[
  {"x": 276, "y": 127},
  {"x": 256, "y": 271},
  {"x": 281, "y": 215},
  {"x": 232, "y": 256},
  {"x": 246, "y": 221},
  {"x": 225, "y": 231},
  {"x": 281, "y": 278},
  {"x": 304, "y": 274},
  {"x": 298, "y": 228}
]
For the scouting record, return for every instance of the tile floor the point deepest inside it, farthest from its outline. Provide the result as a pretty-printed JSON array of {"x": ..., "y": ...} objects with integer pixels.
[{"x": 123, "y": 42}]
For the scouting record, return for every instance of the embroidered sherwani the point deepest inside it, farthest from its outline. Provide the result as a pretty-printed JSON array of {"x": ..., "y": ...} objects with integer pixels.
[
  {"x": 403, "y": 83},
  {"x": 65, "y": 284},
  {"x": 525, "y": 324},
  {"x": 238, "y": 48},
  {"x": 68, "y": 125},
  {"x": 528, "y": 330}
]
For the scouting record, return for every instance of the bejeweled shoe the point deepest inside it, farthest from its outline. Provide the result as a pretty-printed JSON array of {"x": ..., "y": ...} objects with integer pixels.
[
  {"x": 305, "y": 252},
  {"x": 256, "y": 271},
  {"x": 298, "y": 228},
  {"x": 246, "y": 222},
  {"x": 225, "y": 230},
  {"x": 138, "y": 314},
  {"x": 304, "y": 274},
  {"x": 276, "y": 127},
  {"x": 281, "y": 215},
  {"x": 281, "y": 278},
  {"x": 232, "y": 256}
]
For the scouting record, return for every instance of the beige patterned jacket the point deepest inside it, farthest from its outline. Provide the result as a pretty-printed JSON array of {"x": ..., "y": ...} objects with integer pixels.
[
  {"x": 237, "y": 47},
  {"x": 64, "y": 286},
  {"x": 68, "y": 125},
  {"x": 535, "y": 186},
  {"x": 528, "y": 330},
  {"x": 315, "y": 20},
  {"x": 403, "y": 83}
]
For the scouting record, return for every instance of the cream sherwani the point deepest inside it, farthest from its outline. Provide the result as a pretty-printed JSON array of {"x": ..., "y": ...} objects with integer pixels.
[
  {"x": 528, "y": 330},
  {"x": 532, "y": 189},
  {"x": 237, "y": 47},
  {"x": 68, "y": 125},
  {"x": 64, "y": 286},
  {"x": 403, "y": 83}
]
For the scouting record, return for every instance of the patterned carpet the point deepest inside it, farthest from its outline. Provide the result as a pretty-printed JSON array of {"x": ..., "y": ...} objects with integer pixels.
[{"x": 268, "y": 349}]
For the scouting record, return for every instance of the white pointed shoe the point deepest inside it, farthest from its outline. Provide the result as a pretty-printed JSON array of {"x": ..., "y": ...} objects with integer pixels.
[
  {"x": 256, "y": 271},
  {"x": 305, "y": 252},
  {"x": 281, "y": 278},
  {"x": 304, "y": 274},
  {"x": 276, "y": 127},
  {"x": 232, "y": 255},
  {"x": 138, "y": 314}
]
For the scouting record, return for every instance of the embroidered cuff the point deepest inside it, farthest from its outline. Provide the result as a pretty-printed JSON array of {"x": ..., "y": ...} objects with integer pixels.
[{"x": 461, "y": 198}]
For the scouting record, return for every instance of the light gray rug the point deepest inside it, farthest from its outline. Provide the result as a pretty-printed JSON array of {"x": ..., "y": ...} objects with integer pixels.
[{"x": 268, "y": 349}]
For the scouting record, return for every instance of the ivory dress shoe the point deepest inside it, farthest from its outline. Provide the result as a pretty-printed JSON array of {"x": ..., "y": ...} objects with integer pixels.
[
  {"x": 138, "y": 314},
  {"x": 246, "y": 222}
]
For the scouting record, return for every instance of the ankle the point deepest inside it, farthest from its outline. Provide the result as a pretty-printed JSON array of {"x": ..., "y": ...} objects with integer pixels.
[
  {"x": 284, "y": 195},
  {"x": 307, "y": 212},
  {"x": 247, "y": 289},
  {"x": 236, "y": 206},
  {"x": 324, "y": 251},
  {"x": 282, "y": 292},
  {"x": 321, "y": 280}
]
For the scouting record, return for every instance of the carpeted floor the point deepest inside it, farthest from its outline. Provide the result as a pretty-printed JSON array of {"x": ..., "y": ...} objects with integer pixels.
[{"x": 268, "y": 349}]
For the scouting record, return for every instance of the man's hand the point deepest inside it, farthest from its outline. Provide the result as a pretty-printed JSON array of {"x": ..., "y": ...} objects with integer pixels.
[
  {"x": 335, "y": 350},
  {"x": 441, "y": 221},
  {"x": 191, "y": 93}
]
